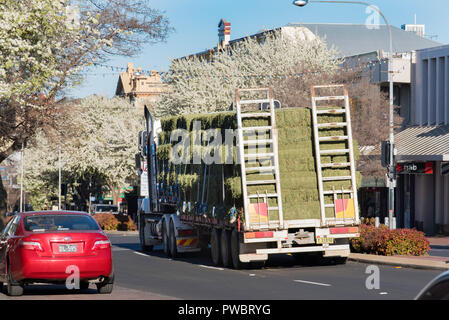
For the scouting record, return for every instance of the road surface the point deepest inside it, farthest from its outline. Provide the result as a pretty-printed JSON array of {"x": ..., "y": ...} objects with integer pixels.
[{"x": 143, "y": 276}]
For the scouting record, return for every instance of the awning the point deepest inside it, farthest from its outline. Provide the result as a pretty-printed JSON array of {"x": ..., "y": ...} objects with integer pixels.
[{"x": 423, "y": 143}]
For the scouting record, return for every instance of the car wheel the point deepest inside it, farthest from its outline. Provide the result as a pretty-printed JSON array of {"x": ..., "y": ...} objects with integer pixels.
[
  {"x": 13, "y": 288},
  {"x": 106, "y": 286}
]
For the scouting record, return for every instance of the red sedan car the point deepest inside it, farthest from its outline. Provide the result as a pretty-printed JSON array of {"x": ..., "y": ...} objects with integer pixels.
[{"x": 55, "y": 247}]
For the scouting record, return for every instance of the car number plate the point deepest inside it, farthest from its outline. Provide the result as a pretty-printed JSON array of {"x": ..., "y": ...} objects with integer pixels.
[
  {"x": 68, "y": 248},
  {"x": 324, "y": 239}
]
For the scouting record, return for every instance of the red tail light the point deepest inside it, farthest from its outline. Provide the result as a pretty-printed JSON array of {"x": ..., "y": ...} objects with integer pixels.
[
  {"x": 186, "y": 233},
  {"x": 31, "y": 245},
  {"x": 252, "y": 235},
  {"x": 101, "y": 244},
  {"x": 344, "y": 230}
]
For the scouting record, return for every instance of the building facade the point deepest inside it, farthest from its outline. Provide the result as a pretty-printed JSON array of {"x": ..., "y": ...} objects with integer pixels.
[
  {"x": 423, "y": 146},
  {"x": 140, "y": 88}
]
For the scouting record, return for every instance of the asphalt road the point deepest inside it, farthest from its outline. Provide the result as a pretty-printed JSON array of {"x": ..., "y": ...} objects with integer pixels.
[
  {"x": 142, "y": 276},
  {"x": 194, "y": 277}
]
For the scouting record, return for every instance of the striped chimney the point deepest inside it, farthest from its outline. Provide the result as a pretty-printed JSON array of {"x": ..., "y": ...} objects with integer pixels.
[{"x": 224, "y": 33}]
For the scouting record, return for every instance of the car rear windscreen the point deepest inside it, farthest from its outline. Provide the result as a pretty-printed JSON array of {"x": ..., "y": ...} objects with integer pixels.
[{"x": 52, "y": 222}]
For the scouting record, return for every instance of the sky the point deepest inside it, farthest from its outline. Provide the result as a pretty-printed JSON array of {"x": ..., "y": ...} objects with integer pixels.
[{"x": 196, "y": 28}]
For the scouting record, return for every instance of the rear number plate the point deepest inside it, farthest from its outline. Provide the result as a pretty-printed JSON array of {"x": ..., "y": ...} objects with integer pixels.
[
  {"x": 323, "y": 240},
  {"x": 68, "y": 248}
]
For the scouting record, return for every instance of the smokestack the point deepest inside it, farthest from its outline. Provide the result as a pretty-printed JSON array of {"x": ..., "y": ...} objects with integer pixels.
[{"x": 224, "y": 33}]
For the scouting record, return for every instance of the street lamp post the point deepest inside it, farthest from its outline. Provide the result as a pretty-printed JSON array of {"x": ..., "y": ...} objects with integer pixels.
[{"x": 391, "y": 178}]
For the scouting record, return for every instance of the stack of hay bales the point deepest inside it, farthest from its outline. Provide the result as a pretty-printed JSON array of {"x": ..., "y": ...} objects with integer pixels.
[{"x": 299, "y": 188}]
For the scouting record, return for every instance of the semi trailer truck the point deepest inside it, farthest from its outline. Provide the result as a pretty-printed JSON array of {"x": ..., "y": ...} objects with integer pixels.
[{"x": 251, "y": 182}]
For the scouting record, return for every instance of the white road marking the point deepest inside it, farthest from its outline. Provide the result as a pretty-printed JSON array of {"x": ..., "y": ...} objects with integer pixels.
[
  {"x": 315, "y": 283},
  {"x": 383, "y": 293},
  {"x": 141, "y": 254},
  {"x": 209, "y": 267}
]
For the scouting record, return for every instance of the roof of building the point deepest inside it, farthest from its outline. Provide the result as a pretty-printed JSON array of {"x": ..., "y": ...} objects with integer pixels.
[
  {"x": 355, "y": 39},
  {"x": 423, "y": 143}
]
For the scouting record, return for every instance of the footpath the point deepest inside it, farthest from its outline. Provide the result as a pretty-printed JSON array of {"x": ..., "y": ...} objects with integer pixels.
[{"x": 433, "y": 261}]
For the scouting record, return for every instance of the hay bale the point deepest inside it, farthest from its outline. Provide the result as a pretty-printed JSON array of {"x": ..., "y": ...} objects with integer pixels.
[{"x": 299, "y": 187}]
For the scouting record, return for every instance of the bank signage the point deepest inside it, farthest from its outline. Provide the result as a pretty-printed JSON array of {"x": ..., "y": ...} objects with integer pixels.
[{"x": 415, "y": 168}]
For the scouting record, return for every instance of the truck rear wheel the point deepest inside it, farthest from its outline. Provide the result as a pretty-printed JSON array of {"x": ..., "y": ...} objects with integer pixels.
[
  {"x": 215, "y": 247},
  {"x": 165, "y": 240},
  {"x": 226, "y": 249},
  {"x": 235, "y": 251},
  {"x": 143, "y": 246},
  {"x": 173, "y": 244}
]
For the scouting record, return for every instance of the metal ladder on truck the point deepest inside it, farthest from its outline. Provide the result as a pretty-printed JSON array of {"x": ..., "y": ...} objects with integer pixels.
[
  {"x": 319, "y": 111},
  {"x": 257, "y": 215}
]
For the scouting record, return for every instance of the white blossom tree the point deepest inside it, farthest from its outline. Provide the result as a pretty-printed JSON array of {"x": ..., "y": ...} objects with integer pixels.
[
  {"x": 198, "y": 85},
  {"x": 102, "y": 138},
  {"x": 45, "y": 47}
]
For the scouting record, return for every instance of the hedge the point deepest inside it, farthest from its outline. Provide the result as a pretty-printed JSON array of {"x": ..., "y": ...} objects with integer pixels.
[
  {"x": 383, "y": 241},
  {"x": 108, "y": 221}
]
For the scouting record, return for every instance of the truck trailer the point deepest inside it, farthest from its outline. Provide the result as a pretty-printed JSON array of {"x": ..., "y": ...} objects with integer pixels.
[{"x": 253, "y": 181}]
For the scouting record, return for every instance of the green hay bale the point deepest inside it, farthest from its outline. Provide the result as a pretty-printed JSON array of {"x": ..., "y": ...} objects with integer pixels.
[{"x": 297, "y": 164}]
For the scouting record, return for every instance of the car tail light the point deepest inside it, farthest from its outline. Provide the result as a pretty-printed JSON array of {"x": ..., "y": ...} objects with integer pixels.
[
  {"x": 186, "y": 233},
  {"x": 265, "y": 234},
  {"x": 31, "y": 245},
  {"x": 344, "y": 230},
  {"x": 101, "y": 244}
]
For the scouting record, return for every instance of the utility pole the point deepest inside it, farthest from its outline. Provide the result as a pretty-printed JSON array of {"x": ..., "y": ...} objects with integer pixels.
[
  {"x": 21, "y": 179},
  {"x": 59, "y": 169}
]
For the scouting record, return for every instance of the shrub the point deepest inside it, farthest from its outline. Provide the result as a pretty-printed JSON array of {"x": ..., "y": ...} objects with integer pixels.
[
  {"x": 107, "y": 221},
  {"x": 126, "y": 224},
  {"x": 383, "y": 241}
]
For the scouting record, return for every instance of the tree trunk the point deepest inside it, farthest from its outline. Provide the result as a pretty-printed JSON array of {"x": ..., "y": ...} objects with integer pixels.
[{"x": 115, "y": 195}]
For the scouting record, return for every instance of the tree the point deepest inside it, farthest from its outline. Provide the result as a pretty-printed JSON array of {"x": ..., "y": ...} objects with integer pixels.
[
  {"x": 101, "y": 151},
  {"x": 288, "y": 62},
  {"x": 46, "y": 44},
  {"x": 198, "y": 85}
]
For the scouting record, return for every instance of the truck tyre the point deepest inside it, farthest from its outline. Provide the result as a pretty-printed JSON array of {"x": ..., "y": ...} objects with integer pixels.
[
  {"x": 215, "y": 247},
  {"x": 235, "y": 251},
  {"x": 143, "y": 246},
  {"x": 165, "y": 240},
  {"x": 172, "y": 238},
  {"x": 226, "y": 248}
]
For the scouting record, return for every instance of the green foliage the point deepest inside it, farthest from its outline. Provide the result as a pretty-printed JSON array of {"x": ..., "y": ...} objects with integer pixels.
[{"x": 383, "y": 241}]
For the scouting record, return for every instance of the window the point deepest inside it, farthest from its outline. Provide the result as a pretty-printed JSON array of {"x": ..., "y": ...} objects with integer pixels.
[
  {"x": 53, "y": 222},
  {"x": 11, "y": 227},
  {"x": 8, "y": 226}
]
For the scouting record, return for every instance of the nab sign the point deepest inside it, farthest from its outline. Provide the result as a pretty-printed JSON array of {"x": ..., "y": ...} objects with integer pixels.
[{"x": 415, "y": 168}]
